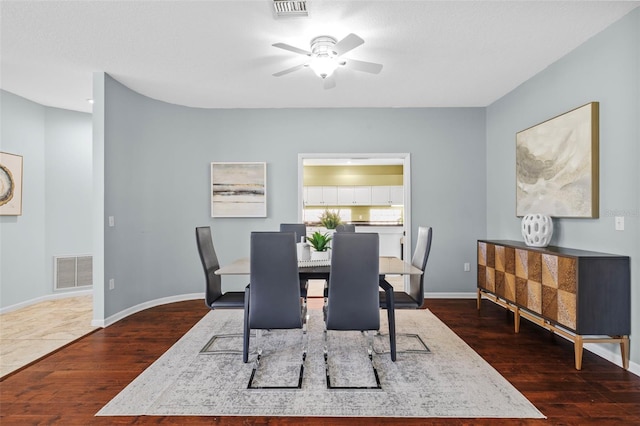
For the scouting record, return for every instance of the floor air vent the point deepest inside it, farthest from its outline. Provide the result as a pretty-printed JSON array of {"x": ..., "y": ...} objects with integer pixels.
[{"x": 72, "y": 271}]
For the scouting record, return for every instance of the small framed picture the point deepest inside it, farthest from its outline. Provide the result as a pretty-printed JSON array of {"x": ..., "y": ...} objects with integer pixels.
[{"x": 238, "y": 189}]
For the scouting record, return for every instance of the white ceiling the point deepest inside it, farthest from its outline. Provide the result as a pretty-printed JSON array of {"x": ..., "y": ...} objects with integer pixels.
[{"x": 218, "y": 54}]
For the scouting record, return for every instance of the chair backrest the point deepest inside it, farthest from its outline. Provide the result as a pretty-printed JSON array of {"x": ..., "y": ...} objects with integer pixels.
[
  {"x": 274, "y": 286},
  {"x": 300, "y": 229},
  {"x": 213, "y": 283},
  {"x": 419, "y": 260},
  {"x": 346, "y": 227},
  {"x": 353, "y": 301}
]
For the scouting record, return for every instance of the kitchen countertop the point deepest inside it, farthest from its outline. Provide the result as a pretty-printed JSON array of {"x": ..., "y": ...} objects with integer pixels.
[
  {"x": 377, "y": 224},
  {"x": 390, "y": 224}
]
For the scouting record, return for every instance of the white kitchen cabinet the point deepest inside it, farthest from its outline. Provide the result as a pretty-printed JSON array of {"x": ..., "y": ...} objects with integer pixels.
[
  {"x": 396, "y": 195},
  {"x": 390, "y": 238},
  {"x": 354, "y": 195},
  {"x": 321, "y": 196},
  {"x": 387, "y": 195}
]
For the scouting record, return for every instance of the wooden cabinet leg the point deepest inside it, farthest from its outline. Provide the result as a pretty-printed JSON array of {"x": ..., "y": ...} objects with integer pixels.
[
  {"x": 516, "y": 319},
  {"x": 624, "y": 351},
  {"x": 479, "y": 299},
  {"x": 577, "y": 346}
]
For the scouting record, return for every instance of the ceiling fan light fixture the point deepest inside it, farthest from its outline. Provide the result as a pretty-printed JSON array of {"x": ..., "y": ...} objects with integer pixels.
[
  {"x": 325, "y": 57},
  {"x": 323, "y": 65}
]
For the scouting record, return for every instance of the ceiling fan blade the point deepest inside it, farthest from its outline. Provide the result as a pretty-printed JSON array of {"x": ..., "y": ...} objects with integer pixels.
[
  {"x": 288, "y": 70},
  {"x": 348, "y": 43},
  {"x": 329, "y": 82},
  {"x": 292, "y": 48},
  {"x": 369, "y": 67}
]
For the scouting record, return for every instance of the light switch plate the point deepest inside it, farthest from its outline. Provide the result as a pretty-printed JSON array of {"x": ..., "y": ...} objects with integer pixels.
[{"x": 619, "y": 223}]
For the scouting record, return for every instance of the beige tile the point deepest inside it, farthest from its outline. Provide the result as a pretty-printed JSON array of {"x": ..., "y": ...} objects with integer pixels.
[{"x": 34, "y": 331}]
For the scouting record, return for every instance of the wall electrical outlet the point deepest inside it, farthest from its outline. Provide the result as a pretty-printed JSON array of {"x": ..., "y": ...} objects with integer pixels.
[
  {"x": 112, "y": 221},
  {"x": 467, "y": 267},
  {"x": 112, "y": 284},
  {"x": 619, "y": 223}
]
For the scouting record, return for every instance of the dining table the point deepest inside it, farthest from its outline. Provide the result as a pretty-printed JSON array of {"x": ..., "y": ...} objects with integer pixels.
[
  {"x": 309, "y": 270},
  {"x": 388, "y": 265}
]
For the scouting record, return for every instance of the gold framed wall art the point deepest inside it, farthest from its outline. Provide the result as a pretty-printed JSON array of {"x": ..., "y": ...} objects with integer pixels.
[
  {"x": 557, "y": 165},
  {"x": 10, "y": 184}
]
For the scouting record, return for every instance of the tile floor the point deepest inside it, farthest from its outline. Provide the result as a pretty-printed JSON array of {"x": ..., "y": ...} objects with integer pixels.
[{"x": 34, "y": 331}]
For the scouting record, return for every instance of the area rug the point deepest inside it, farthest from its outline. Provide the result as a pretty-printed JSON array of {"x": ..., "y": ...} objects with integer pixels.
[{"x": 451, "y": 381}]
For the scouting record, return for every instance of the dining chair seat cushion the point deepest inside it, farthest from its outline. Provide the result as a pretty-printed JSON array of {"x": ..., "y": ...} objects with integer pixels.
[
  {"x": 402, "y": 300},
  {"x": 229, "y": 300}
]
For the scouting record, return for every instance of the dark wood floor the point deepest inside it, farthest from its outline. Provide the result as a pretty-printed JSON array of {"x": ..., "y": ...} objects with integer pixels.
[{"x": 71, "y": 385}]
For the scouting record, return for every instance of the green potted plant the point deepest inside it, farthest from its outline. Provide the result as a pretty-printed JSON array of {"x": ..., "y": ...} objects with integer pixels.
[
  {"x": 330, "y": 219},
  {"x": 320, "y": 244}
]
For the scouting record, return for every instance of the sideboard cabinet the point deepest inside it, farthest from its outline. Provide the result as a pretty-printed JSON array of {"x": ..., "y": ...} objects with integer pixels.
[{"x": 576, "y": 293}]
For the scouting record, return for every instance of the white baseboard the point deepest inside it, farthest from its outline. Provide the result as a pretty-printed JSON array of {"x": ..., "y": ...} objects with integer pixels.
[
  {"x": 461, "y": 295},
  {"x": 54, "y": 296},
  {"x": 142, "y": 306},
  {"x": 612, "y": 356},
  {"x": 600, "y": 349}
]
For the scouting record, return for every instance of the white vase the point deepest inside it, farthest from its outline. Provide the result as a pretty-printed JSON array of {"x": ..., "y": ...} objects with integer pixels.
[
  {"x": 537, "y": 229},
  {"x": 320, "y": 255},
  {"x": 304, "y": 251}
]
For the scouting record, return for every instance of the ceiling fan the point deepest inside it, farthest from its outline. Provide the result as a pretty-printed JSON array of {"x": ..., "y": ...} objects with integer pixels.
[{"x": 326, "y": 56}]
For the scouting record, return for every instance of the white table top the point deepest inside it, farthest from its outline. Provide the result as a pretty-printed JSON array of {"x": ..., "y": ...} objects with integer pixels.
[{"x": 388, "y": 266}]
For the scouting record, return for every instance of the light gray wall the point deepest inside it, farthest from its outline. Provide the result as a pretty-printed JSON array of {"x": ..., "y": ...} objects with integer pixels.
[
  {"x": 68, "y": 186},
  {"x": 54, "y": 219},
  {"x": 604, "y": 69},
  {"x": 157, "y": 158},
  {"x": 22, "y": 238}
]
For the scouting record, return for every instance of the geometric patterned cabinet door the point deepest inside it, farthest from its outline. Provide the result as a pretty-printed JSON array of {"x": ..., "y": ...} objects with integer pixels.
[{"x": 571, "y": 292}]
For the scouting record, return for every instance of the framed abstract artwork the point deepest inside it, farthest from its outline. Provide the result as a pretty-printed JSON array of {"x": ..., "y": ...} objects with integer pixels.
[
  {"x": 557, "y": 165},
  {"x": 238, "y": 190},
  {"x": 10, "y": 184}
]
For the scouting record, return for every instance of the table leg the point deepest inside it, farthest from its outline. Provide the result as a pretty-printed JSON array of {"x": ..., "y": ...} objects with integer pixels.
[
  {"x": 392, "y": 331},
  {"x": 391, "y": 316}
]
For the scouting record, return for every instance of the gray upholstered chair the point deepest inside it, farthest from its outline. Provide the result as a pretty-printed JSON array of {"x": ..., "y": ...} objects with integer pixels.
[
  {"x": 346, "y": 227},
  {"x": 414, "y": 298},
  {"x": 300, "y": 229},
  {"x": 353, "y": 302},
  {"x": 272, "y": 298},
  {"x": 214, "y": 297}
]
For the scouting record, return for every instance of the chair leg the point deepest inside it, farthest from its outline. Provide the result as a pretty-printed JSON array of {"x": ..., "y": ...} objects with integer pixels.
[
  {"x": 421, "y": 342},
  {"x": 393, "y": 339},
  {"x": 247, "y": 330},
  {"x": 369, "y": 353},
  {"x": 257, "y": 364},
  {"x": 207, "y": 348}
]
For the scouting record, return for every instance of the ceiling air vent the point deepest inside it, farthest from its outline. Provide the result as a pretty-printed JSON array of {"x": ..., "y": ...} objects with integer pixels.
[{"x": 290, "y": 8}]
